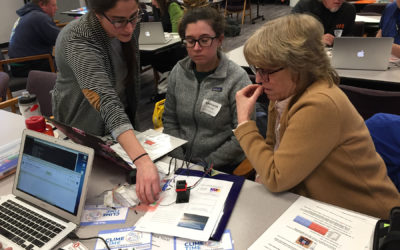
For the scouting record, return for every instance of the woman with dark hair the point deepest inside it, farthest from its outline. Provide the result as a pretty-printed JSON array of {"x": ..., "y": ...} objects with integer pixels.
[
  {"x": 97, "y": 87},
  {"x": 200, "y": 104},
  {"x": 170, "y": 14}
]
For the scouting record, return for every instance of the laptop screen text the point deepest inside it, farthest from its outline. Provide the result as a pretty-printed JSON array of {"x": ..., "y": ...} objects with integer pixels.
[{"x": 52, "y": 173}]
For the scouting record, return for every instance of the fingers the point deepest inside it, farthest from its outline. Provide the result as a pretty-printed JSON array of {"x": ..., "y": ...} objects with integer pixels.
[{"x": 148, "y": 184}]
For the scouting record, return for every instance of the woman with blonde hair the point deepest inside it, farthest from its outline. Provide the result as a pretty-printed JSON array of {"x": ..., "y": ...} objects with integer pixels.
[{"x": 317, "y": 144}]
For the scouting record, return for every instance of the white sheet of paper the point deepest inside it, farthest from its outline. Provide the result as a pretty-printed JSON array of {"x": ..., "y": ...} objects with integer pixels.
[
  {"x": 309, "y": 224},
  {"x": 155, "y": 143},
  {"x": 193, "y": 220}
]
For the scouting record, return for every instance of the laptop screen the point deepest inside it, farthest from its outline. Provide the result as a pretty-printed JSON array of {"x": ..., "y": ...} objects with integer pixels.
[{"x": 52, "y": 173}]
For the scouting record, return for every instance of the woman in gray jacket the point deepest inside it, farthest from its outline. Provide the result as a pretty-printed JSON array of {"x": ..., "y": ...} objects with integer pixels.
[{"x": 200, "y": 103}]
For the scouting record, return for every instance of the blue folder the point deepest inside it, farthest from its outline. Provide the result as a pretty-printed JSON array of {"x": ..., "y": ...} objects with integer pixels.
[{"x": 230, "y": 200}]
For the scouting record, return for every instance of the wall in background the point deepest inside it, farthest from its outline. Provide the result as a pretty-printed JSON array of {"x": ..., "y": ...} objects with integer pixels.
[{"x": 8, "y": 17}]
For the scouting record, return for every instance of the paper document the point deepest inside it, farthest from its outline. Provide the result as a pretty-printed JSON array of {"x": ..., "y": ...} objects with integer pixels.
[
  {"x": 155, "y": 143},
  {"x": 193, "y": 220},
  {"x": 124, "y": 238},
  {"x": 9, "y": 157},
  {"x": 309, "y": 224},
  {"x": 97, "y": 215}
]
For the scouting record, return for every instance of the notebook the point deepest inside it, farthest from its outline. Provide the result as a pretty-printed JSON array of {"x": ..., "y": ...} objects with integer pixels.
[
  {"x": 365, "y": 53},
  {"x": 152, "y": 33},
  {"x": 49, "y": 192}
]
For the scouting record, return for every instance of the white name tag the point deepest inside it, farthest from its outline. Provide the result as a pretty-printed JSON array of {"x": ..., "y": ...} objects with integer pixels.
[{"x": 210, "y": 107}]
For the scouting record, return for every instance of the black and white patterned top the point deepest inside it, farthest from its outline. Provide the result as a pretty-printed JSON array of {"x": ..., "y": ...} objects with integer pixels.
[{"x": 85, "y": 94}]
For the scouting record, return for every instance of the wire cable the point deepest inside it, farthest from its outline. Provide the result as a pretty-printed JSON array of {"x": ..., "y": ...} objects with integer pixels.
[{"x": 73, "y": 236}]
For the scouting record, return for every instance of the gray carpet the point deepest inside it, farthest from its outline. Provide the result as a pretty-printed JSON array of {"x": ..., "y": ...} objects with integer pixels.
[{"x": 146, "y": 107}]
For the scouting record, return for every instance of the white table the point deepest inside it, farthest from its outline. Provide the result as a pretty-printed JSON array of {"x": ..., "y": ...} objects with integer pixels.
[
  {"x": 175, "y": 38},
  {"x": 255, "y": 210},
  {"x": 368, "y": 19}
]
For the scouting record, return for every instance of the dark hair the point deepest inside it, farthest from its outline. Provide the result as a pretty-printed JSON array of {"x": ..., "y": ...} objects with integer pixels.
[
  {"x": 163, "y": 4},
  {"x": 208, "y": 14},
  {"x": 101, "y": 6}
]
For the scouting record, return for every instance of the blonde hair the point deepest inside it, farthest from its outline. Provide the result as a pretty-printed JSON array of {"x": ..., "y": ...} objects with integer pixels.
[{"x": 293, "y": 42}]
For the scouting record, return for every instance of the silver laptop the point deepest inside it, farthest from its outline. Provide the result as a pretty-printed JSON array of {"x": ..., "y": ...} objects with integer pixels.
[
  {"x": 49, "y": 192},
  {"x": 152, "y": 33},
  {"x": 365, "y": 53}
]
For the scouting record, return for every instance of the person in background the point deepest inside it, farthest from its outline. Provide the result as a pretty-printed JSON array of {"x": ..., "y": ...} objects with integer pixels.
[
  {"x": 337, "y": 16},
  {"x": 170, "y": 13},
  {"x": 34, "y": 33},
  {"x": 317, "y": 144},
  {"x": 390, "y": 25},
  {"x": 200, "y": 104},
  {"x": 97, "y": 86}
]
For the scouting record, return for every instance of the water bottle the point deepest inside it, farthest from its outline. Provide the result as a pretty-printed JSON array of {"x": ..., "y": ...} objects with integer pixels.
[{"x": 28, "y": 105}]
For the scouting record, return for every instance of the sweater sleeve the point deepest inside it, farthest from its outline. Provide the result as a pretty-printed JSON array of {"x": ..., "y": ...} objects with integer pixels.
[
  {"x": 88, "y": 63},
  {"x": 175, "y": 14},
  {"x": 170, "y": 119},
  {"x": 228, "y": 152},
  {"x": 47, "y": 30},
  {"x": 312, "y": 132}
]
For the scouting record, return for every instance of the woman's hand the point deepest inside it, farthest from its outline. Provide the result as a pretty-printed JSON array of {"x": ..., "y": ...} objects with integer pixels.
[
  {"x": 147, "y": 180},
  {"x": 246, "y": 100},
  {"x": 1, "y": 247}
]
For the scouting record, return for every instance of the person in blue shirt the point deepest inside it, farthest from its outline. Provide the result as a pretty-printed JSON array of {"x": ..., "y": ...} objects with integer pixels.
[
  {"x": 34, "y": 33},
  {"x": 390, "y": 25}
]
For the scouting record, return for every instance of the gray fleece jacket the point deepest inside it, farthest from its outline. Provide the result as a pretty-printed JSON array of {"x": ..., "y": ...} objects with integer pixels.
[{"x": 204, "y": 113}]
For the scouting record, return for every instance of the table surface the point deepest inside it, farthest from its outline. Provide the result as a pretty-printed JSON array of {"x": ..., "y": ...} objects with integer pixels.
[
  {"x": 368, "y": 19},
  {"x": 255, "y": 210},
  {"x": 391, "y": 75}
]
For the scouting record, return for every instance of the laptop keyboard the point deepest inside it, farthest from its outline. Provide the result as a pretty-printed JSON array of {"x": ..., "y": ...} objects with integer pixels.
[{"x": 25, "y": 227}]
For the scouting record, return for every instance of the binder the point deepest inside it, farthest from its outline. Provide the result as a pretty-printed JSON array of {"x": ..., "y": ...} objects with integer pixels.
[{"x": 230, "y": 200}]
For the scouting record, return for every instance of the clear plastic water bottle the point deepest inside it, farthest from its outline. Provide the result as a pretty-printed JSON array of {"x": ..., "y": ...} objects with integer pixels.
[{"x": 28, "y": 105}]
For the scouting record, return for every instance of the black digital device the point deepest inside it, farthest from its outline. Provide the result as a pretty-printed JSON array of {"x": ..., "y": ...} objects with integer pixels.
[{"x": 182, "y": 192}]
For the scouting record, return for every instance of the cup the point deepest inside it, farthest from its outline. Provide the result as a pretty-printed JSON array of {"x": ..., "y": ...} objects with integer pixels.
[
  {"x": 28, "y": 105},
  {"x": 338, "y": 32}
]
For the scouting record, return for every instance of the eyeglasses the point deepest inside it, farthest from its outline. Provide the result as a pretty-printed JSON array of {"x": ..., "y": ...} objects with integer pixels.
[
  {"x": 121, "y": 23},
  {"x": 203, "y": 42},
  {"x": 263, "y": 72}
]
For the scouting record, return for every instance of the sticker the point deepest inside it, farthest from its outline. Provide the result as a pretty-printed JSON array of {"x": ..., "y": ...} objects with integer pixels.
[{"x": 210, "y": 107}]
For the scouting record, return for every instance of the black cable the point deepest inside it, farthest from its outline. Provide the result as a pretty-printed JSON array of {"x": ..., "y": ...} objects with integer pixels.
[{"x": 73, "y": 236}]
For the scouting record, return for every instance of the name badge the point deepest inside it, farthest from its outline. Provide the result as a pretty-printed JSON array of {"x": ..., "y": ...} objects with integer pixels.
[{"x": 210, "y": 107}]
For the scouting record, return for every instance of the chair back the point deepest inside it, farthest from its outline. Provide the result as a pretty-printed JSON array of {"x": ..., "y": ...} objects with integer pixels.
[
  {"x": 3, "y": 86},
  {"x": 41, "y": 83},
  {"x": 370, "y": 101},
  {"x": 373, "y": 9}
]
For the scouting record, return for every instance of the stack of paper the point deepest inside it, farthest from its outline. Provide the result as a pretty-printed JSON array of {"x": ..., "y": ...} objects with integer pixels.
[
  {"x": 9, "y": 157},
  {"x": 309, "y": 224},
  {"x": 193, "y": 220}
]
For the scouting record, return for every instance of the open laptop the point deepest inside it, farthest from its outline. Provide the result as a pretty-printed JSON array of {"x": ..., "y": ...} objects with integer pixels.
[
  {"x": 365, "y": 53},
  {"x": 49, "y": 192},
  {"x": 152, "y": 33}
]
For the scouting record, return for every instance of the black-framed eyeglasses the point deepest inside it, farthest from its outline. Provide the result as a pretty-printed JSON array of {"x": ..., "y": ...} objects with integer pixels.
[
  {"x": 263, "y": 72},
  {"x": 203, "y": 41},
  {"x": 121, "y": 23}
]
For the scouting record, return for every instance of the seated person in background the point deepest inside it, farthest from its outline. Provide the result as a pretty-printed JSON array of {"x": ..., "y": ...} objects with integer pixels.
[
  {"x": 169, "y": 13},
  {"x": 97, "y": 87},
  {"x": 317, "y": 144},
  {"x": 200, "y": 105},
  {"x": 34, "y": 33},
  {"x": 337, "y": 16},
  {"x": 390, "y": 25}
]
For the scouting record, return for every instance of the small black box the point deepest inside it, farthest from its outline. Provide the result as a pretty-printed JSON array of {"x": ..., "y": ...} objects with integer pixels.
[{"x": 182, "y": 192}]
